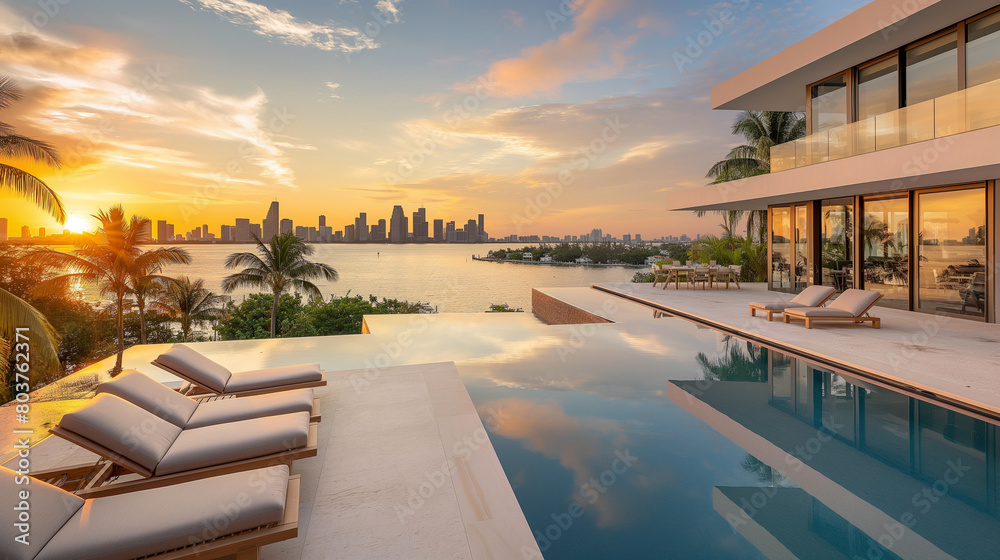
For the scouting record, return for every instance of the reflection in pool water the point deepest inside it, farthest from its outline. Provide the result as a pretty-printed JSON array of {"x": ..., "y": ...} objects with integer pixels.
[{"x": 667, "y": 440}]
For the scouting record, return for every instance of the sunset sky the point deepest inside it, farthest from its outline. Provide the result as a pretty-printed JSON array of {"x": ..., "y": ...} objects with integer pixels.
[{"x": 201, "y": 111}]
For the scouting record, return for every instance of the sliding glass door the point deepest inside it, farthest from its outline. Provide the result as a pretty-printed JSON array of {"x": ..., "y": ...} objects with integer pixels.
[
  {"x": 837, "y": 243},
  {"x": 885, "y": 234},
  {"x": 781, "y": 248}
]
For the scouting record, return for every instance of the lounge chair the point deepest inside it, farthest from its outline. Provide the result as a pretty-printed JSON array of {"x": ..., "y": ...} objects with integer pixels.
[
  {"x": 228, "y": 516},
  {"x": 852, "y": 305},
  {"x": 140, "y": 442},
  {"x": 660, "y": 274},
  {"x": 205, "y": 375},
  {"x": 187, "y": 412},
  {"x": 813, "y": 296}
]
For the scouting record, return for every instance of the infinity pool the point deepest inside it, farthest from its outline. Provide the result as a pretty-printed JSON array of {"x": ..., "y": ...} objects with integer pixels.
[{"x": 663, "y": 439}]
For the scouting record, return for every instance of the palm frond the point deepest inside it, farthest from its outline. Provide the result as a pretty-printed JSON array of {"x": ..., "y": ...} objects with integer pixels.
[
  {"x": 17, "y": 146},
  {"x": 16, "y": 313},
  {"x": 33, "y": 189}
]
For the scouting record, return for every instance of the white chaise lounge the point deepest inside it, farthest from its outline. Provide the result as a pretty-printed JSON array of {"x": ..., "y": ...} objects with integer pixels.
[
  {"x": 187, "y": 412},
  {"x": 206, "y": 375},
  {"x": 813, "y": 296}
]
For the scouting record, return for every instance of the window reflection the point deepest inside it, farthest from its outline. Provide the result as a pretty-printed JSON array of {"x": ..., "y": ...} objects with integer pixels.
[
  {"x": 946, "y": 435},
  {"x": 932, "y": 69},
  {"x": 982, "y": 50},
  {"x": 885, "y": 237},
  {"x": 828, "y": 104},
  {"x": 878, "y": 88},
  {"x": 838, "y": 243},
  {"x": 952, "y": 251},
  {"x": 781, "y": 248}
]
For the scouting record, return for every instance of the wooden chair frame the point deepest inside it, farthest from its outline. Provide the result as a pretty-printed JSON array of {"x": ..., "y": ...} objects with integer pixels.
[
  {"x": 315, "y": 415},
  {"x": 754, "y": 308}
]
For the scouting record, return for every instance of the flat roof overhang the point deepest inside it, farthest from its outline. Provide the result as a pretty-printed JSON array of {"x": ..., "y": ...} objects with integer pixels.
[
  {"x": 961, "y": 158},
  {"x": 778, "y": 83}
]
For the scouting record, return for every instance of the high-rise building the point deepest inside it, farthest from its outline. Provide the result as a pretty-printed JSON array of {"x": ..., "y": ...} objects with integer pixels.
[
  {"x": 322, "y": 221},
  {"x": 243, "y": 230},
  {"x": 398, "y": 227},
  {"x": 25, "y": 232},
  {"x": 196, "y": 233},
  {"x": 3, "y": 230},
  {"x": 255, "y": 231},
  {"x": 438, "y": 230},
  {"x": 161, "y": 231},
  {"x": 361, "y": 227},
  {"x": 471, "y": 231},
  {"x": 302, "y": 232},
  {"x": 596, "y": 235},
  {"x": 226, "y": 233},
  {"x": 41, "y": 232},
  {"x": 420, "y": 225},
  {"x": 170, "y": 232},
  {"x": 482, "y": 227},
  {"x": 350, "y": 233},
  {"x": 271, "y": 222},
  {"x": 287, "y": 226},
  {"x": 382, "y": 231},
  {"x": 627, "y": 239},
  {"x": 449, "y": 232}
]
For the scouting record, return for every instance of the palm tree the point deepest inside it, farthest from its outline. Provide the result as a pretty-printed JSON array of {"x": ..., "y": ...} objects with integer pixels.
[
  {"x": 145, "y": 282},
  {"x": 761, "y": 130},
  {"x": 189, "y": 302},
  {"x": 14, "y": 311},
  {"x": 110, "y": 258},
  {"x": 279, "y": 266}
]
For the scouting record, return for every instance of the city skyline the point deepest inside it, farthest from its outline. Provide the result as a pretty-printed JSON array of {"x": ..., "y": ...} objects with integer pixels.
[{"x": 552, "y": 116}]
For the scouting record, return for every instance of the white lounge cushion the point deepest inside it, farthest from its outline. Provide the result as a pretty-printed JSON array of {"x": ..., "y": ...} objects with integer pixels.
[
  {"x": 146, "y": 522},
  {"x": 854, "y": 301},
  {"x": 123, "y": 428},
  {"x": 257, "y": 406},
  {"x": 273, "y": 377},
  {"x": 49, "y": 508},
  {"x": 234, "y": 441},
  {"x": 777, "y": 305},
  {"x": 195, "y": 366},
  {"x": 819, "y": 312},
  {"x": 149, "y": 394}
]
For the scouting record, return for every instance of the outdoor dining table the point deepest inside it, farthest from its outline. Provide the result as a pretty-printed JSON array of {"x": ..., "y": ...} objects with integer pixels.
[{"x": 713, "y": 272}]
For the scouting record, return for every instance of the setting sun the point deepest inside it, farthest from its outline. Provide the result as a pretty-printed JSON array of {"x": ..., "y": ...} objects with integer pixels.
[{"x": 77, "y": 224}]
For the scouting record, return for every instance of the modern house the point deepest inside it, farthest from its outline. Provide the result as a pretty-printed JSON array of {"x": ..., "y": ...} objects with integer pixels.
[{"x": 892, "y": 188}]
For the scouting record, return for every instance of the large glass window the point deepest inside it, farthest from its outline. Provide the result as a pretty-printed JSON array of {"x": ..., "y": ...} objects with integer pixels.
[
  {"x": 782, "y": 381},
  {"x": 838, "y": 401},
  {"x": 952, "y": 250},
  {"x": 828, "y": 104},
  {"x": 982, "y": 50},
  {"x": 803, "y": 264},
  {"x": 932, "y": 69},
  {"x": 781, "y": 248},
  {"x": 885, "y": 235},
  {"x": 837, "y": 250},
  {"x": 878, "y": 88}
]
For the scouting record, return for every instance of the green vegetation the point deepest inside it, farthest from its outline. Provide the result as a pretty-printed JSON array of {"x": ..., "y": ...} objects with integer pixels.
[
  {"x": 503, "y": 308},
  {"x": 252, "y": 317},
  {"x": 16, "y": 312},
  {"x": 279, "y": 266},
  {"x": 600, "y": 253},
  {"x": 111, "y": 259}
]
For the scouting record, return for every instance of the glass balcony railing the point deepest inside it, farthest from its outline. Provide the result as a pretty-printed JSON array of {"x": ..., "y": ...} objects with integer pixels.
[{"x": 962, "y": 111}]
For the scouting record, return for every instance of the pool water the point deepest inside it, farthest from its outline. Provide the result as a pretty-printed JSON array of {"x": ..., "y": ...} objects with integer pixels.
[{"x": 664, "y": 439}]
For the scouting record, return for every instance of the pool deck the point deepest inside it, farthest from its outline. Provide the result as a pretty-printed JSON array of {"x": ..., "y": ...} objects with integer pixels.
[
  {"x": 405, "y": 467},
  {"x": 953, "y": 359}
]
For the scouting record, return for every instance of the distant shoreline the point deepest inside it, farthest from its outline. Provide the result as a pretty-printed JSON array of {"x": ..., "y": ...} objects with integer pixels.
[{"x": 557, "y": 263}]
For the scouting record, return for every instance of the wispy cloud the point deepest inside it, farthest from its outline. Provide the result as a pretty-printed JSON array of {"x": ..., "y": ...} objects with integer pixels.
[
  {"x": 390, "y": 8},
  {"x": 283, "y": 26},
  {"x": 585, "y": 53},
  {"x": 512, "y": 19},
  {"x": 333, "y": 86}
]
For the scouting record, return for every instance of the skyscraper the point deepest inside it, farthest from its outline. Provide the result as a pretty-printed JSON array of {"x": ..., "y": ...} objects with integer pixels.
[
  {"x": 256, "y": 231},
  {"x": 361, "y": 227},
  {"x": 449, "y": 232},
  {"x": 471, "y": 232},
  {"x": 25, "y": 232},
  {"x": 287, "y": 226},
  {"x": 381, "y": 231},
  {"x": 243, "y": 230},
  {"x": 170, "y": 232},
  {"x": 398, "y": 228},
  {"x": 161, "y": 231},
  {"x": 420, "y": 225},
  {"x": 3, "y": 230},
  {"x": 226, "y": 233},
  {"x": 482, "y": 227},
  {"x": 271, "y": 222},
  {"x": 438, "y": 230}
]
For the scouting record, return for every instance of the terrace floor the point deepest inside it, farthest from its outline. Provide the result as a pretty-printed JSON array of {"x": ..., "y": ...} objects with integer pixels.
[{"x": 950, "y": 357}]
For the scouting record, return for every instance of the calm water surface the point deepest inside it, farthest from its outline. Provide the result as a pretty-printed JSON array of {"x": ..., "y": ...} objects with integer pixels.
[{"x": 445, "y": 276}]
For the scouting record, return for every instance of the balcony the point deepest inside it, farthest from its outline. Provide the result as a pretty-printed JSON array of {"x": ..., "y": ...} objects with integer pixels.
[{"x": 963, "y": 111}]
